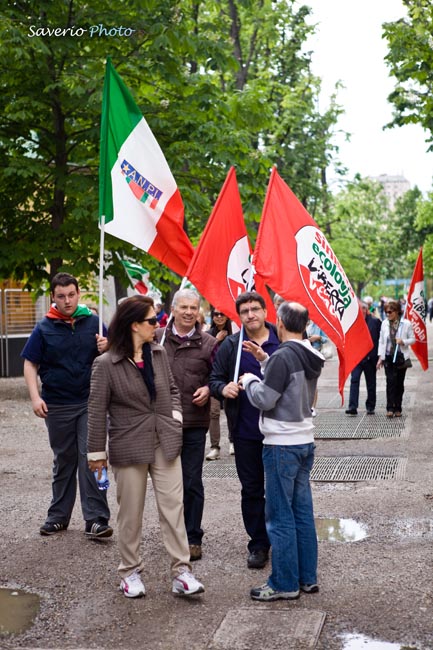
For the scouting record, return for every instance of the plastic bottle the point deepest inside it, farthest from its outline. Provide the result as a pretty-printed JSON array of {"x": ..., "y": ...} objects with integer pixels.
[{"x": 103, "y": 482}]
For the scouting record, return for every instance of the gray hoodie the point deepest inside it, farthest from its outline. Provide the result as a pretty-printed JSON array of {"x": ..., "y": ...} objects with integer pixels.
[{"x": 286, "y": 393}]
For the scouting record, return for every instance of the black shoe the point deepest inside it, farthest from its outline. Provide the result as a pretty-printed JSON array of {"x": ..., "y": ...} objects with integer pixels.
[
  {"x": 51, "y": 528},
  {"x": 310, "y": 589},
  {"x": 97, "y": 529},
  {"x": 257, "y": 559},
  {"x": 370, "y": 412},
  {"x": 351, "y": 412}
]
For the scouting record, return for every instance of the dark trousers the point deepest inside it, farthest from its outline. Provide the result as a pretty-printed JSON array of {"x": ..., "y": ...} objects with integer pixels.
[
  {"x": 193, "y": 446},
  {"x": 67, "y": 431},
  {"x": 394, "y": 387},
  {"x": 249, "y": 465},
  {"x": 369, "y": 370}
]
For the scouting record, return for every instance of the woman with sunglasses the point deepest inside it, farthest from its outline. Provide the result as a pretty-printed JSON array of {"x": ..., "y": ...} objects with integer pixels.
[
  {"x": 133, "y": 385},
  {"x": 395, "y": 331}
]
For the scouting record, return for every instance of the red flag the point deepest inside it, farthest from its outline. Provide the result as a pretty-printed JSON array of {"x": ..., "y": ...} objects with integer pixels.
[
  {"x": 294, "y": 258},
  {"x": 416, "y": 310},
  {"x": 221, "y": 265}
]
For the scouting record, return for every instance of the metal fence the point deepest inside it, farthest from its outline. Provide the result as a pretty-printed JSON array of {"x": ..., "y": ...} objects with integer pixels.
[{"x": 19, "y": 312}]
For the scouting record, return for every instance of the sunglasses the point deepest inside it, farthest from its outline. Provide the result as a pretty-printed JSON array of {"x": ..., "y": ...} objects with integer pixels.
[
  {"x": 151, "y": 321},
  {"x": 218, "y": 313},
  {"x": 390, "y": 311}
]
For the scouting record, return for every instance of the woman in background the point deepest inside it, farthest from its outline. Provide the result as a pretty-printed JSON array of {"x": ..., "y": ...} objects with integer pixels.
[
  {"x": 132, "y": 383},
  {"x": 395, "y": 331},
  {"x": 317, "y": 338}
]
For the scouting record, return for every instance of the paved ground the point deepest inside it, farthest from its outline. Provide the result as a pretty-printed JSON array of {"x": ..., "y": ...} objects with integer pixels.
[{"x": 379, "y": 587}]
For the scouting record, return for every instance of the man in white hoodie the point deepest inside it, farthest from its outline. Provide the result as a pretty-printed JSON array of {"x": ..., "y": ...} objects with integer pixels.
[{"x": 284, "y": 398}]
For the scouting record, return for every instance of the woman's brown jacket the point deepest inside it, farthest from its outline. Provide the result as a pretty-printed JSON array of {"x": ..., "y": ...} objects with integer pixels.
[{"x": 135, "y": 424}]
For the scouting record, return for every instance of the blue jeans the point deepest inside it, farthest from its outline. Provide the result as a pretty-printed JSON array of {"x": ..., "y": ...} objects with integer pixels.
[
  {"x": 193, "y": 446},
  {"x": 289, "y": 515}
]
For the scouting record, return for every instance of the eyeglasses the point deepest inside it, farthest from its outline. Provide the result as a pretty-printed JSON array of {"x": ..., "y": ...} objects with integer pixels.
[
  {"x": 254, "y": 310},
  {"x": 151, "y": 321},
  {"x": 390, "y": 311}
]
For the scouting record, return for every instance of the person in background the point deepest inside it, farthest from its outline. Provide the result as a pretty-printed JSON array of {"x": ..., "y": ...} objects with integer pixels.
[
  {"x": 395, "y": 331},
  {"x": 190, "y": 354},
  {"x": 430, "y": 309},
  {"x": 221, "y": 326},
  {"x": 366, "y": 366},
  {"x": 381, "y": 308},
  {"x": 61, "y": 350},
  {"x": 202, "y": 321},
  {"x": 370, "y": 305},
  {"x": 317, "y": 338},
  {"x": 243, "y": 418},
  {"x": 161, "y": 314},
  {"x": 133, "y": 385},
  {"x": 284, "y": 399}
]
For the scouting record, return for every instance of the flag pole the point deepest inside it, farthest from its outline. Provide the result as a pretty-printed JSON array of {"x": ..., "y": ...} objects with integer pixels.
[
  {"x": 101, "y": 274},
  {"x": 241, "y": 333}
]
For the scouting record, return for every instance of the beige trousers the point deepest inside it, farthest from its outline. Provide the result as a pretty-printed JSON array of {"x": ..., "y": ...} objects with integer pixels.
[{"x": 167, "y": 483}]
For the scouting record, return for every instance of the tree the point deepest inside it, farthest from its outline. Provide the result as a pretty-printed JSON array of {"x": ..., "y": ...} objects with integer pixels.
[
  {"x": 410, "y": 60},
  {"x": 362, "y": 233},
  {"x": 219, "y": 83}
]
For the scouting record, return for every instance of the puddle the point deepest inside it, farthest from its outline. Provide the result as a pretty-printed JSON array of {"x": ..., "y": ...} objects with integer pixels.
[
  {"x": 18, "y": 610},
  {"x": 359, "y": 642},
  {"x": 339, "y": 530}
]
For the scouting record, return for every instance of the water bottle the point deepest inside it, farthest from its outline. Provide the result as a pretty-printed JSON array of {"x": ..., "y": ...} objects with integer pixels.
[{"x": 103, "y": 482}]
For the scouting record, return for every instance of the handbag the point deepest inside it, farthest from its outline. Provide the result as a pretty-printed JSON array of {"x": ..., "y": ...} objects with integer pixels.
[
  {"x": 327, "y": 350},
  {"x": 401, "y": 362}
]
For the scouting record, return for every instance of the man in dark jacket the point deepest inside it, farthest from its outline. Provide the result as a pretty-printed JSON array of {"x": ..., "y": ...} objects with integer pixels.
[
  {"x": 366, "y": 366},
  {"x": 61, "y": 349},
  {"x": 243, "y": 418},
  {"x": 190, "y": 354}
]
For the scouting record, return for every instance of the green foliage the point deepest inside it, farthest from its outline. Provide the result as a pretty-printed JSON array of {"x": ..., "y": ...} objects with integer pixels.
[
  {"x": 220, "y": 84},
  {"x": 362, "y": 233},
  {"x": 410, "y": 60}
]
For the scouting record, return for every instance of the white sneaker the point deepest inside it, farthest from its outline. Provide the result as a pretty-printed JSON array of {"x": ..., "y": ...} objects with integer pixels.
[
  {"x": 313, "y": 412},
  {"x": 214, "y": 454},
  {"x": 186, "y": 584},
  {"x": 132, "y": 586},
  {"x": 232, "y": 449}
]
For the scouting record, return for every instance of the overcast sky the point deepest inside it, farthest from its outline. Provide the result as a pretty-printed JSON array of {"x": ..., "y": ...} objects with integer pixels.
[{"x": 348, "y": 47}]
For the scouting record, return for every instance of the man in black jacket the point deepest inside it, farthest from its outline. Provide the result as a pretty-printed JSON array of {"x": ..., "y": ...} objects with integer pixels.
[
  {"x": 243, "y": 418},
  {"x": 366, "y": 366}
]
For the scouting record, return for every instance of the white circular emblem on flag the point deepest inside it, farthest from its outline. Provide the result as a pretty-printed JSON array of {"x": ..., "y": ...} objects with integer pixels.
[{"x": 239, "y": 267}]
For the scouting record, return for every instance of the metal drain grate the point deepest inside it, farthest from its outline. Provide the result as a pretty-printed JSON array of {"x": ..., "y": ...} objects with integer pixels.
[
  {"x": 338, "y": 425},
  {"x": 218, "y": 469},
  {"x": 332, "y": 469},
  {"x": 358, "y": 468}
]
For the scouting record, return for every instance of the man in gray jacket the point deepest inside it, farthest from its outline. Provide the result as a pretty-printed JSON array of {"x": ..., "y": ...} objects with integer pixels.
[{"x": 284, "y": 398}]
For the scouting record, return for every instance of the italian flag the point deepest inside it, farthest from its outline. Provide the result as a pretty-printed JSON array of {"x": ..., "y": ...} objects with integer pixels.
[
  {"x": 139, "y": 201},
  {"x": 138, "y": 276}
]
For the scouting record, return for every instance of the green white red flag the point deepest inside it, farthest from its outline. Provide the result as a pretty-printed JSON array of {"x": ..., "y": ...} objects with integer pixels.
[
  {"x": 139, "y": 200},
  {"x": 138, "y": 276},
  {"x": 416, "y": 311},
  {"x": 139, "y": 279},
  {"x": 295, "y": 259},
  {"x": 221, "y": 266}
]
